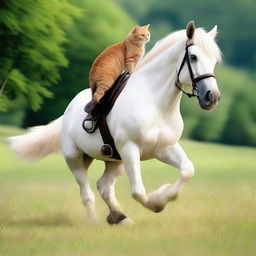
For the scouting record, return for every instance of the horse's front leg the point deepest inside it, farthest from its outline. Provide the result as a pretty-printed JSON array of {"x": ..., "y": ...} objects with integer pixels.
[
  {"x": 130, "y": 154},
  {"x": 176, "y": 157}
]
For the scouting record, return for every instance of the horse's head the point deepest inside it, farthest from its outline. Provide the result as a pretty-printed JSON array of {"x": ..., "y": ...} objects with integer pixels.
[{"x": 196, "y": 70}]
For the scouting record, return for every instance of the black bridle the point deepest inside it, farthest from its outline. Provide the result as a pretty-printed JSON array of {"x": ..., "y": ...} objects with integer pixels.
[{"x": 194, "y": 80}]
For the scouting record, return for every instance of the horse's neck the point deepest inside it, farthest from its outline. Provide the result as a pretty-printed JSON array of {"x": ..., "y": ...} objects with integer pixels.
[{"x": 159, "y": 77}]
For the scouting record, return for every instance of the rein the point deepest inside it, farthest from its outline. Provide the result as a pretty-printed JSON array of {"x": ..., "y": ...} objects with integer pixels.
[{"x": 194, "y": 80}]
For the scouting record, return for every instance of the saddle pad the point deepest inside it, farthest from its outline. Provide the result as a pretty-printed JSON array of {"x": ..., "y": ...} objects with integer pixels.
[{"x": 109, "y": 99}]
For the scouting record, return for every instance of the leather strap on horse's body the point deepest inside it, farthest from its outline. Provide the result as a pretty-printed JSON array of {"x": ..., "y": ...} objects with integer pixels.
[{"x": 109, "y": 148}]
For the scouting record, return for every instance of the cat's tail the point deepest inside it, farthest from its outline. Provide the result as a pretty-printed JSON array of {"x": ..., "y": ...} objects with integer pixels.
[{"x": 38, "y": 142}]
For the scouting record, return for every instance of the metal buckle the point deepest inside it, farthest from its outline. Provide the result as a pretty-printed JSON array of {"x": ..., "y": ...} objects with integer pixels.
[
  {"x": 195, "y": 91},
  {"x": 106, "y": 150}
]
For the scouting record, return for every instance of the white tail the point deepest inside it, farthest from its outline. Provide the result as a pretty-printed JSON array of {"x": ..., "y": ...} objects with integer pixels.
[{"x": 38, "y": 142}]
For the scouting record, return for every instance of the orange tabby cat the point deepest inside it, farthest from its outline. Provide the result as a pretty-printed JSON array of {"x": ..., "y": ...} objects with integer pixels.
[
  {"x": 112, "y": 61},
  {"x": 109, "y": 65}
]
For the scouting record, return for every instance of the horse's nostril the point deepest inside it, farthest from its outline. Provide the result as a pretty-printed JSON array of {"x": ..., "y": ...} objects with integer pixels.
[
  {"x": 208, "y": 96},
  {"x": 219, "y": 98}
]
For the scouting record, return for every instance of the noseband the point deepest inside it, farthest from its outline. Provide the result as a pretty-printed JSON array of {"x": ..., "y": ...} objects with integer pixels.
[{"x": 194, "y": 80}]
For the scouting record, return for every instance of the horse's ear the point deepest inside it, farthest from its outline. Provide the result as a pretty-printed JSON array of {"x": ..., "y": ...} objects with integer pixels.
[
  {"x": 190, "y": 30},
  {"x": 213, "y": 32}
]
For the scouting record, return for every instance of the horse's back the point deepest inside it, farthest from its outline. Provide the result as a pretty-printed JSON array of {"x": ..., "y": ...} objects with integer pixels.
[{"x": 79, "y": 100}]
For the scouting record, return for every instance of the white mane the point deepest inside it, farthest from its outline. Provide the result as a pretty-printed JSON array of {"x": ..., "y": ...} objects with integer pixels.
[{"x": 201, "y": 38}]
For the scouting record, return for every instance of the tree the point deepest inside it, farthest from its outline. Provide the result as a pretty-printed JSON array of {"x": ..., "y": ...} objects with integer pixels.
[
  {"x": 208, "y": 126},
  {"x": 236, "y": 22},
  {"x": 240, "y": 128},
  {"x": 101, "y": 25},
  {"x": 31, "y": 39}
]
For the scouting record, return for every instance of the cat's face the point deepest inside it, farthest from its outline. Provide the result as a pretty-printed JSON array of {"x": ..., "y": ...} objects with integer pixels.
[{"x": 140, "y": 34}]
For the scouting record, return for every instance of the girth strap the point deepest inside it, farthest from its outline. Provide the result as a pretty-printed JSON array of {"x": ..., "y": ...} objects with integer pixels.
[
  {"x": 107, "y": 103},
  {"x": 109, "y": 148}
]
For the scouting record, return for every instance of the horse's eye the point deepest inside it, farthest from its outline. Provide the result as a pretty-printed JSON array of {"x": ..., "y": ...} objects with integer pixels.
[{"x": 193, "y": 57}]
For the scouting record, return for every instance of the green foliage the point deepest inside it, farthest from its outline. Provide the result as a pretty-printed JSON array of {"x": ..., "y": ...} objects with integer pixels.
[
  {"x": 31, "y": 39},
  {"x": 236, "y": 22},
  {"x": 241, "y": 124},
  {"x": 101, "y": 25},
  {"x": 32, "y": 51},
  {"x": 210, "y": 125}
]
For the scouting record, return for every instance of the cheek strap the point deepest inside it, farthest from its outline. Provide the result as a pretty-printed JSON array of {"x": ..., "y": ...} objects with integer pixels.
[{"x": 194, "y": 80}]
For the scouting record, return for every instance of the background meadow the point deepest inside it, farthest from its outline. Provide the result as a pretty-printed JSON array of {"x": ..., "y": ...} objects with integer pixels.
[{"x": 41, "y": 212}]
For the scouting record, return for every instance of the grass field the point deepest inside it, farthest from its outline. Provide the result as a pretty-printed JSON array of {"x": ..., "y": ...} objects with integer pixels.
[{"x": 41, "y": 212}]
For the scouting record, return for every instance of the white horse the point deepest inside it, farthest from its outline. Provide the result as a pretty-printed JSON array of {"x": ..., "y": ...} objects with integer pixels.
[{"x": 145, "y": 122}]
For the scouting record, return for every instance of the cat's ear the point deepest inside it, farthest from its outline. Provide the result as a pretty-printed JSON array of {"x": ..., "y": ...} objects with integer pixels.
[
  {"x": 146, "y": 26},
  {"x": 135, "y": 29}
]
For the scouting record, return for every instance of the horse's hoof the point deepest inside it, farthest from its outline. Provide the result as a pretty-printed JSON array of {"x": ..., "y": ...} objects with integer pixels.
[
  {"x": 115, "y": 217},
  {"x": 157, "y": 209},
  {"x": 175, "y": 197}
]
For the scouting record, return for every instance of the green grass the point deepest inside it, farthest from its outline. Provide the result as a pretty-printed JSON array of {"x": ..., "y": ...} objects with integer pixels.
[{"x": 41, "y": 212}]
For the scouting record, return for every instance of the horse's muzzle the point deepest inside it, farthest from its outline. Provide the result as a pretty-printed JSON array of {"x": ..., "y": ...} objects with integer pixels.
[{"x": 208, "y": 95}]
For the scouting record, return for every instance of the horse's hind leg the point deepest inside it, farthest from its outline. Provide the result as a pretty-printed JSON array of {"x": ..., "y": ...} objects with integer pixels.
[
  {"x": 106, "y": 188},
  {"x": 79, "y": 164}
]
